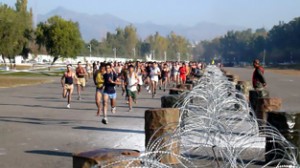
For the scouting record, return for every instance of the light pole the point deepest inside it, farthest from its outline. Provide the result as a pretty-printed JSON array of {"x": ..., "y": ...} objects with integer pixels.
[
  {"x": 165, "y": 54},
  {"x": 90, "y": 47},
  {"x": 115, "y": 53},
  {"x": 133, "y": 50},
  {"x": 178, "y": 56},
  {"x": 153, "y": 54},
  {"x": 264, "y": 58}
]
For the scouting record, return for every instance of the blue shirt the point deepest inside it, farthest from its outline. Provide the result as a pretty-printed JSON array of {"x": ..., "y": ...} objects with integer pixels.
[{"x": 109, "y": 87}]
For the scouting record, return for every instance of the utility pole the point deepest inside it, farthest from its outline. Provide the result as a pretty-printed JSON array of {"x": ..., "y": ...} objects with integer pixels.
[
  {"x": 178, "y": 56},
  {"x": 153, "y": 54},
  {"x": 264, "y": 58},
  {"x": 133, "y": 50},
  {"x": 90, "y": 47},
  {"x": 115, "y": 53}
]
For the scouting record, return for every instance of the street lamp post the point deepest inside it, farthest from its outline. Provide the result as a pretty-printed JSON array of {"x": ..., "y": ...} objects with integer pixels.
[
  {"x": 90, "y": 47},
  {"x": 264, "y": 58},
  {"x": 153, "y": 54},
  {"x": 165, "y": 54},
  {"x": 178, "y": 56},
  {"x": 115, "y": 53},
  {"x": 133, "y": 50}
]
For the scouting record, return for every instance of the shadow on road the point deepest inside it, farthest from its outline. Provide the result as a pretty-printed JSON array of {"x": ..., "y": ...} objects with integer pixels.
[
  {"x": 37, "y": 121},
  {"x": 48, "y": 107},
  {"x": 109, "y": 129},
  {"x": 51, "y": 153}
]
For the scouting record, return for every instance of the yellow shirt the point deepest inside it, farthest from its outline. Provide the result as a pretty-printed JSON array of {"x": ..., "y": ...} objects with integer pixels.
[{"x": 99, "y": 80}]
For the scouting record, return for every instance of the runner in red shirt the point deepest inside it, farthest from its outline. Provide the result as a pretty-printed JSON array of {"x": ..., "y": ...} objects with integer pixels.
[{"x": 182, "y": 73}]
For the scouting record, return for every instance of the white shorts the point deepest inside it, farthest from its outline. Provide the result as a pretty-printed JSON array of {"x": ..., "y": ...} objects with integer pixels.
[{"x": 155, "y": 78}]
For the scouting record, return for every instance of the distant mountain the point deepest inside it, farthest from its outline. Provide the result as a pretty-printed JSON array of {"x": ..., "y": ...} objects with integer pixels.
[{"x": 96, "y": 26}]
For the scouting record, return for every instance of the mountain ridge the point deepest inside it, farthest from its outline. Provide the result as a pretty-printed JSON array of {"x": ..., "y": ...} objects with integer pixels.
[{"x": 96, "y": 26}]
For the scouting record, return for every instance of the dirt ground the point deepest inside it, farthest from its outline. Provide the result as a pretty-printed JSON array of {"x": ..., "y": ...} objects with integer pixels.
[
  {"x": 285, "y": 71},
  {"x": 11, "y": 81}
]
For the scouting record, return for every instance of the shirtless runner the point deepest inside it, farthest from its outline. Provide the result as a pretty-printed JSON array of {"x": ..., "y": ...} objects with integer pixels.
[{"x": 67, "y": 84}]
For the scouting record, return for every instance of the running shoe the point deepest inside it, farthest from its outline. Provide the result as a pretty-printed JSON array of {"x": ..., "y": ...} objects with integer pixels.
[
  {"x": 79, "y": 98},
  {"x": 104, "y": 121},
  {"x": 68, "y": 106},
  {"x": 113, "y": 110},
  {"x": 130, "y": 110}
]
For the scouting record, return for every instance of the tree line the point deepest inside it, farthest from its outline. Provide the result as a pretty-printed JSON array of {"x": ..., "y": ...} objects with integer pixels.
[
  {"x": 15, "y": 30},
  {"x": 61, "y": 38},
  {"x": 281, "y": 44},
  {"x": 126, "y": 43}
]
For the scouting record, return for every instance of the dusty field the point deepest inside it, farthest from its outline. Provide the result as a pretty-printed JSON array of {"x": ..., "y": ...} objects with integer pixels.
[
  {"x": 285, "y": 71},
  {"x": 11, "y": 81}
]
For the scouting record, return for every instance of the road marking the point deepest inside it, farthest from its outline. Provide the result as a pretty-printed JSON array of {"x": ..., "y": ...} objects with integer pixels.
[{"x": 2, "y": 152}]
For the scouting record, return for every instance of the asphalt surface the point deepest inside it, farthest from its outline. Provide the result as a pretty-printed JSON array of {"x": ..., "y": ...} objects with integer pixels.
[
  {"x": 286, "y": 87},
  {"x": 37, "y": 130}
]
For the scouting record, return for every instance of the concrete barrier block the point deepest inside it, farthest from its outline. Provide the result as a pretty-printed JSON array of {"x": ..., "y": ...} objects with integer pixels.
[
  {"x": 169, "y": 101},
  {"x": 105, "y": 156},
  {"x": 160, "y": 123},
  {"x": 175, "y": 91},
  {"x": 265, "y": 105}
]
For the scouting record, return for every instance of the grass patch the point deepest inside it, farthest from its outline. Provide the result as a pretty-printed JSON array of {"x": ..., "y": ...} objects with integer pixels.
[
  {"x": 31, "y": 74},
  {"x": 8, "y": 82}
]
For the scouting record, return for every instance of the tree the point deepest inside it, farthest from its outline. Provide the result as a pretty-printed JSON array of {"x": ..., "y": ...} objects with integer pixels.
[
  {"x": 131, "y": 39},
  {"x": 178, "y": 44},
  {"x": 11, "y": 32},
  {"x": 26, "y": 19},
  {"x": 60, "y": 37},
  {"x": 159, "y": 45}
]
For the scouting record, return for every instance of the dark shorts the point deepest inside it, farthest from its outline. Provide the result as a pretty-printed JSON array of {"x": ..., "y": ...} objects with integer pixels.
[
  {"x": 100, "y": 90},
  {"x": 132, "y": 94}
]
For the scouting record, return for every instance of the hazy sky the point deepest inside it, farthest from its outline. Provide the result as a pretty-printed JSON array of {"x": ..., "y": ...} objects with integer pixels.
[{"x": 246, "y": 13}]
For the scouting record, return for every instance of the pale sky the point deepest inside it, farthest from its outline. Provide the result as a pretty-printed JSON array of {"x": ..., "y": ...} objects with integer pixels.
[{"x": 246, "y": 13}]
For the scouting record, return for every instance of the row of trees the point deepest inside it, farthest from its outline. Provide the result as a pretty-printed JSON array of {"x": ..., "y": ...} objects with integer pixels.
[
  {"x": 57, "y": 37},
  {"x": 280, "y": 44},
  {"x": 15, "y": 30},
  {"x": 125, "y": 42},
  {"x": 62, "y": 38}
]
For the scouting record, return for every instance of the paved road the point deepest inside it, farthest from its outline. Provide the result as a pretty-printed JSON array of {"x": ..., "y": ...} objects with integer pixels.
[
  {"x": 36, "y": 130},
  {"x": 286, "y": 87}
]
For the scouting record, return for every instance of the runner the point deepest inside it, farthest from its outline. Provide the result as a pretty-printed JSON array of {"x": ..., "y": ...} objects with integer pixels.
[
  {"x": 122, "y": 76},
  {"x": 132, "y": 81},
  {"x": 99, "y": 81},
  {"x": 88, "y": 69},
  {"x": 140, "y": 71},
  {"x": 165, "y": 75},
  {"x": 67, "y": 85},
  {"x": 182, "y": 73},
  {"x": 154, "y": 73},
  {"x": 80, "y": 74},
  {"x": 110, "y": 81},
  {"x": 148, "y": 76}
]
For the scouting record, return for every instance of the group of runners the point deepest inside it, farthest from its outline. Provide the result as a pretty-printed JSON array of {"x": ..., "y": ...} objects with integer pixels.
[{"x": 130, "y": 76}]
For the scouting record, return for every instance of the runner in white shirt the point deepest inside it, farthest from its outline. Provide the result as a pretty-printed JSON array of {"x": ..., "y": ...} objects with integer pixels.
[
  {"x": 154, "y": 73},
  {"x": 132, "y": 81}
]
